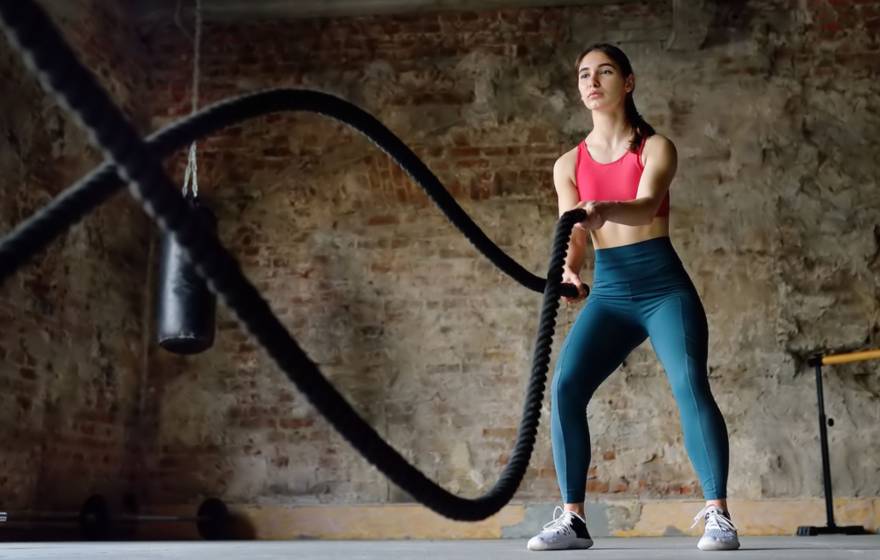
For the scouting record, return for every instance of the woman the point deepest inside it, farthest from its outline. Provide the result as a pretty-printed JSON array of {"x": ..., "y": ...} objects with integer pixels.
[{"x": 620, "y": 175}]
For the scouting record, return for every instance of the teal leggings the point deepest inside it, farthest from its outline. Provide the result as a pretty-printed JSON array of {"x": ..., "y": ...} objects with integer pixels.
[{"x": 640, "y": 290}]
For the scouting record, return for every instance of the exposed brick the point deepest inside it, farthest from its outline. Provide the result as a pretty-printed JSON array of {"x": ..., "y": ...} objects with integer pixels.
[
  {"x": 74, "y": 310},
  {"x": 332, "y": 231}
]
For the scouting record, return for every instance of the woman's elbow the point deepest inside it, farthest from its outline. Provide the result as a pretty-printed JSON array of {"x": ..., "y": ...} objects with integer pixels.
[{"x": 649, "y": 212}]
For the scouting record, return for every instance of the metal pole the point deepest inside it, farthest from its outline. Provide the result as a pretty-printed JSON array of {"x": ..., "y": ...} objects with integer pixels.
[
  {"x": 823, "y": 440},
  {"x": 831, "y": 528},
  {"x": 140, "y": 518}
]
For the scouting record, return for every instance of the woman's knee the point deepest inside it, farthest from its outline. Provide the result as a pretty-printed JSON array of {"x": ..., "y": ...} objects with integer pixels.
[
  {"x": 570, "y": 387},
  {"x": 692, "y": 389}
]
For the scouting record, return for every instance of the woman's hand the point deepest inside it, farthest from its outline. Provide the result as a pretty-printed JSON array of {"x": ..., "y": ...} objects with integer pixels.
[
  {"x": 571, "y": 277},
  {"x": 594, "y": 218}
]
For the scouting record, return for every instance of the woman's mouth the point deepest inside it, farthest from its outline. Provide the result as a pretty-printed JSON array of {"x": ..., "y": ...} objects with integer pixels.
[{"x": 594, "y": 94}]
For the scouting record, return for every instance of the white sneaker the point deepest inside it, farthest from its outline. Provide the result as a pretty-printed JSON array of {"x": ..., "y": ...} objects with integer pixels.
[
  {"x": 568, "y": 530},
  {"x": 719, "y": 532}
]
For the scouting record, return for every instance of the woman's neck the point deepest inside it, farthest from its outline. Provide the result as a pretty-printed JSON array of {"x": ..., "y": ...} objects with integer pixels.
[{"x": 610, "y": 129}]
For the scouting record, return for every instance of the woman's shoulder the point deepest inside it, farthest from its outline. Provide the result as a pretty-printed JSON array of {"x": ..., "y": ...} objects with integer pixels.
[
  {"x": 564, "y": 169},
  {"x": 658, "y": 141},
  {"x": 567, "y": 161},
  {"x": 659, "y": 148}
]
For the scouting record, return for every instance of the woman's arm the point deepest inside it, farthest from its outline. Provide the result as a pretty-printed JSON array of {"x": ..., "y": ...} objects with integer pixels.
[
  {"x": 661, "y": 162},
  {"x": 567, "y": 193}
]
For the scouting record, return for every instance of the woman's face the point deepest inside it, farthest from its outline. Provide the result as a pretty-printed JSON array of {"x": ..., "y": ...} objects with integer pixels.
[{"x": 601, "y": 83}]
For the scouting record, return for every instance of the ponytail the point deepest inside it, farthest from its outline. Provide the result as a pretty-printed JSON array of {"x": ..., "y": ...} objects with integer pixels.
[{"x": 640, "y": 126}]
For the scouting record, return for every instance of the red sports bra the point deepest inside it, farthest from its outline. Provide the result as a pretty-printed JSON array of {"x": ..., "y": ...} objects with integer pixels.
[{"x": 618, "y": 180}]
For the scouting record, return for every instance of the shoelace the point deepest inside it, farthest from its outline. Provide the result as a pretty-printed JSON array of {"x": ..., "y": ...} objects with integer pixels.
[
  {"x": 715, "y": 519},
  {"x": 559, "y": 524}
]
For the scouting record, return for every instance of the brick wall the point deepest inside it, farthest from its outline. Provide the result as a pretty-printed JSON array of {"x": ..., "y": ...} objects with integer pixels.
[
  {"x": 427, "y": 339},
  {"x": 774, "y": 215},
  {"x": 70, "y": 320}
]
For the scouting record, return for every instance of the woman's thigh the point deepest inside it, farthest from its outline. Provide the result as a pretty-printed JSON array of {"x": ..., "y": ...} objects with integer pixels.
[
  {"x": 602, "y": 336},
  {"x": 679, "y": 333}
]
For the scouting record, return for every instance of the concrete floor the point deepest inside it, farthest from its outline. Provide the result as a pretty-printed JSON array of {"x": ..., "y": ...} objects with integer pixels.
[{"x": 662, "y": 548}]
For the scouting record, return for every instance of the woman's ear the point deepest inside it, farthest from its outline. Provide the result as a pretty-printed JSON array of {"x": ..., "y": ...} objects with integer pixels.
[{"x": 630, "y": 84}]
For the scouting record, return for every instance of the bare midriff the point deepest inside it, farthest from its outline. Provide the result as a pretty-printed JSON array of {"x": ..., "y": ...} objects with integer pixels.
[{"x": 612, "y": 234}]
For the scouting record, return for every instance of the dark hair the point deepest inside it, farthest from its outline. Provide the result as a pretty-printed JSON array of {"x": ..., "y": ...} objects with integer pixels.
[{"x": 642, "y": 128}]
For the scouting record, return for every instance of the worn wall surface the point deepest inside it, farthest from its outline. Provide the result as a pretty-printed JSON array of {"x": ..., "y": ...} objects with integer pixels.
[
  {"x": 70, "y": 320},
  {"x": 775, "y": 213}
]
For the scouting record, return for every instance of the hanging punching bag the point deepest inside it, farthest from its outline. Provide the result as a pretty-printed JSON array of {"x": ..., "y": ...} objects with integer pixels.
[{"x": 185, "y": 307}]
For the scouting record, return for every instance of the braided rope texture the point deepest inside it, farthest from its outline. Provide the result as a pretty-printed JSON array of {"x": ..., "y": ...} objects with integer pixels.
[{"x": 137, "y": 162}]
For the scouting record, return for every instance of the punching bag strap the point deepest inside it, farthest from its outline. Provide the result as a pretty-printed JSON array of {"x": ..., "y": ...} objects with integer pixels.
[
  {"x": 191, "y": 174},
  {"x": 192, "y": 166}
]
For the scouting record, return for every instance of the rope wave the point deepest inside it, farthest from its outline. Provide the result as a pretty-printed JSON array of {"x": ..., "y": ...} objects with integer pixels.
[{"x": 136, "y": 161}]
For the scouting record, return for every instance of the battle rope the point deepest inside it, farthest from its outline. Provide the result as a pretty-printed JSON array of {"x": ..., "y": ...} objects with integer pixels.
[
  {"x": 77, "y": 201},
  {"x": 40, "y": 44}
]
